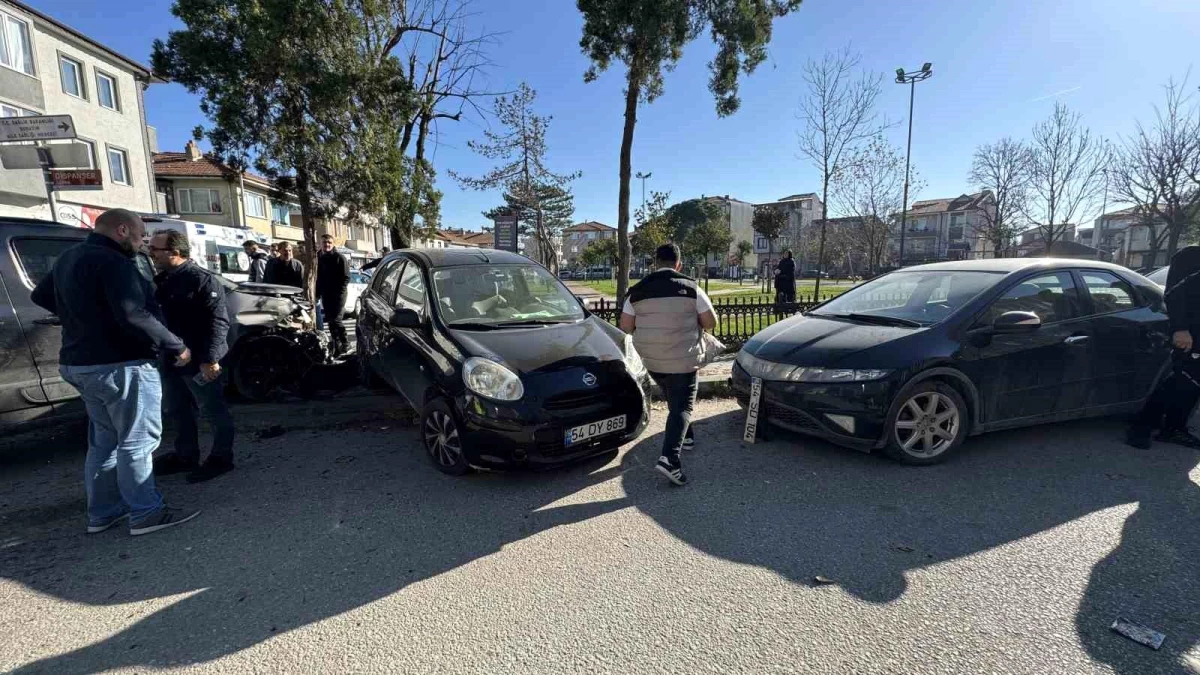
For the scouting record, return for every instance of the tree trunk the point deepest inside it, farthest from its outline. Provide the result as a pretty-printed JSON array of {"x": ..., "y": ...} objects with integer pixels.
[
  {"x": 824, "y": 224},
  {"x": 417, "y": 187},
  {"x": 632, "y": 93},
  {"x": 309, "y": 221}
]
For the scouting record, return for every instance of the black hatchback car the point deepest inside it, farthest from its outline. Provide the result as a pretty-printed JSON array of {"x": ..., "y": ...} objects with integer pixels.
[
  {"x": 916, "y": 360},
  {"x": 504, "y": 364}
]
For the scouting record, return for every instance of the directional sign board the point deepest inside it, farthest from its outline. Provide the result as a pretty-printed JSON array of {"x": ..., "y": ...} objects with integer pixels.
[
  {"x": 76, "y": 179},
  {"x": 39, "y": 128}
]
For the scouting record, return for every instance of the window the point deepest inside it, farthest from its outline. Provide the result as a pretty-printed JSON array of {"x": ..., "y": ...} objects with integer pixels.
[
  {"x": 385, "y": 280},
  {"x": 1109, "y": 292},
  {"x": 106, "y": 91},
  {"x": 1052, "y": 297},
  {"x": 118, "y": 166},
  {"x": 72, "y": 76},
  {"x": 281, "y": 213},
  {"x": 91, "y": 150},
  {"x": 13, "y": 111},
  {"x": 198, "y": 201},
  {"x": 411, "y": 291},
  {"x": 15, "y": 49},
  {"x": 256, "y": 206},
  {"x": 37, "y": 256}
]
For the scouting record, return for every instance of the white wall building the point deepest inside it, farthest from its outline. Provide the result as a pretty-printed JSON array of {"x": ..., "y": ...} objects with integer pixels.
[
  {"x": 802, "y": 210},
  {"x": 48, "y": 68}
]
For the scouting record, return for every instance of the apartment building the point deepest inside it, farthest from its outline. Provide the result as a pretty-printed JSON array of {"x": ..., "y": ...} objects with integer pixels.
[
  {"x": 49, "y": 68},
  {"x": 739, "y": 218},
  {"x": 802, "y": 211},
  {"x": 946, "y": 229},
  {"x": 201, "y": 188},
  {"x": 1125, "y": 236},
  {"x": 577, "y": 237}
]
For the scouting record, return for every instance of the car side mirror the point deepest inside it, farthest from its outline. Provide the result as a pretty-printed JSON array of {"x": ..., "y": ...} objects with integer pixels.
[
  {"x": 1017, "y": 322},
  {"x": 405, "y": 318}
]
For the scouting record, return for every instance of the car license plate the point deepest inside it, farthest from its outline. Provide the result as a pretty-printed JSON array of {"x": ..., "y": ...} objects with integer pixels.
[{"x": 583, "y": 432}]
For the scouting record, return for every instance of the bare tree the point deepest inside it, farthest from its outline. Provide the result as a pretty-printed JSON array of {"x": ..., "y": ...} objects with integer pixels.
[
  {"x": 1003, "y": 168},
  {"x": 1066, "y": 173},
  {"x": 838, "y": 112},
  {"x": 870, "y": 189},
  {"x": 1157, "y": 170}
]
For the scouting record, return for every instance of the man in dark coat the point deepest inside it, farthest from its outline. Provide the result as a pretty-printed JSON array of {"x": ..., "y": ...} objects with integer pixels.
[
  {"x": 193, "y": 303},
  {"x": 785, "y": 278},
  {"x": 285, "y": 270},
  {"x": 1172, "y": 402},
  {"x": 333, "y": 276}
]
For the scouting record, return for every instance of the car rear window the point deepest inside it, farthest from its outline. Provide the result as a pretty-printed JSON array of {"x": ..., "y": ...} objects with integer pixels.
[{"x": 37, "y": 256}]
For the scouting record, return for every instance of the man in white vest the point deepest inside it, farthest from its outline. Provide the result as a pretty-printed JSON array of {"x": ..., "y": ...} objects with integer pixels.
[{"x": 666, "y": 312}]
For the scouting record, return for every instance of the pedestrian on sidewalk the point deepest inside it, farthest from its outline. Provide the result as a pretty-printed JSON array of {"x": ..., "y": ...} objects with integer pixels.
[
  {"x": 333, "y": 276},
  {"x": 785, "y": 278},
  {"x": 666, "y": 312},
  {"x": 193, "y": 303},
  {"x": 1173, "y": 400},
  {"x": 258, "y": 261},
  {"x": 284, "y": 269},
  {"x": 112, "y": 335}
]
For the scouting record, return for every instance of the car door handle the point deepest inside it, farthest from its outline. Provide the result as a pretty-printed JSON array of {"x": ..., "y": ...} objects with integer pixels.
[
  {"x": 1077, "y": 339},
  {"x": 48, "y": 321}
]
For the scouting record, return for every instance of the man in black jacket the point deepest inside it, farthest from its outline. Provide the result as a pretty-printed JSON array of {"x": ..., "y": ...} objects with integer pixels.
[
  {"x": 333, "y": 276},
  {"x": 193, "y": 302},
  {"x": 285, "y": 270},
  {"x": 1171, "y": 404},
  {"x": 112, "y": 334},
  {"x": 258, "y": 260}
]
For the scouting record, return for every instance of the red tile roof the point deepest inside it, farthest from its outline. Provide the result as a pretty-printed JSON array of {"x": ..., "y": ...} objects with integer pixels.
[{"x": 179, "y": 165}]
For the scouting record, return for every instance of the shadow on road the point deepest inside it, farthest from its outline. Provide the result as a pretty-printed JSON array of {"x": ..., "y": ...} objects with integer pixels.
[
  {"x": 304, "y": 531},
  {"x": 803, "y": 508}
]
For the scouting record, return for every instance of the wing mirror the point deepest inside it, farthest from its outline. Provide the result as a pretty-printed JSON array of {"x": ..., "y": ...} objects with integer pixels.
[
  {"x": 405, "y": 318},
  {"x": 1017, "y": 322}
]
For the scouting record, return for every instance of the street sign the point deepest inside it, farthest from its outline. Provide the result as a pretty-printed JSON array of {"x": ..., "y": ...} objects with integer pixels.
[
  {"x": 76, "y": 179},
  {"x": 14, "y": 157},
  {"x": 39, "y": 128},
  {"x": 57, "y": 156},
  {"x": 504, "y": 235}
]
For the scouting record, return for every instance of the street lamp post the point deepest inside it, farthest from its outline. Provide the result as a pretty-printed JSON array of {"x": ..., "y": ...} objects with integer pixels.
[
  {"x": 910, "y": 79},
  {"x": 643, "y": 177}
]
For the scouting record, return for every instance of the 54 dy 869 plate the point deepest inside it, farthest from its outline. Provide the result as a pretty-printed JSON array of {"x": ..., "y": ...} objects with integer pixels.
[{"x": 584, "y": 432}]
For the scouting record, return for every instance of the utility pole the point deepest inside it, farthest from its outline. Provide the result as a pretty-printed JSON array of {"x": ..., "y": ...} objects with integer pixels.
[
  {"x": 643, "y": 177},
  {"x": 910, "y": 79}
]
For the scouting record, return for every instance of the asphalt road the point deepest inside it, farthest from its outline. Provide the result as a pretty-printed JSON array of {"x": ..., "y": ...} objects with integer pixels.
[{"x": 341, "y": 550}]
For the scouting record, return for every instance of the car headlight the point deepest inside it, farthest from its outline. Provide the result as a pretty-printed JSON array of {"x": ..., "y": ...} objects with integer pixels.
[
  {"x": 782, "y": 372},
  {"x": 492, "y": 380},
  {"x": 633, "y": 360}
]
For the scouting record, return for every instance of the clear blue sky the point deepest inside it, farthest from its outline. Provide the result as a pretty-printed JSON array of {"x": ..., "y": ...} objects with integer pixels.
[{"x": 999, "y": 67}]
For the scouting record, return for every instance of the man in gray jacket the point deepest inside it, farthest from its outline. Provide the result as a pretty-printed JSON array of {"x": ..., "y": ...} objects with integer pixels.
[{"x": 665, "y": 312}]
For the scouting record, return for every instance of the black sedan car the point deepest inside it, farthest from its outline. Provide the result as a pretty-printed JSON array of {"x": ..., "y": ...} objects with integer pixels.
[
  {"x": 916, "y": 360},
  {"x": 504, "y": 364}
]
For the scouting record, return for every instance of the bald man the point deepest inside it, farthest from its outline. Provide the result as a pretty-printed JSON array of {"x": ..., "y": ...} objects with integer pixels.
[{"x": 112, "y": 332}]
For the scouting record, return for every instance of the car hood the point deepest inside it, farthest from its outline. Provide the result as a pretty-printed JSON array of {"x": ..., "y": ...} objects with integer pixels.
[
  {"x": 275, "y": 290},
  {"x": 544, "y": 347},
  {"x": 815, "y": 341}
]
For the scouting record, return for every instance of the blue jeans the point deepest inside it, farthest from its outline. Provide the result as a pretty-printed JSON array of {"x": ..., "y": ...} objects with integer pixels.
[
  {"x": 183, "y": 394},
  {"x": 124, "y": 406}
]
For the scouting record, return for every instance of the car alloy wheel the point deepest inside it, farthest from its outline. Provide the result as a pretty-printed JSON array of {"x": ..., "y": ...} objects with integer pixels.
[
  {"x": 927, "y": 423},
  {"x": 442, "y": 440}
]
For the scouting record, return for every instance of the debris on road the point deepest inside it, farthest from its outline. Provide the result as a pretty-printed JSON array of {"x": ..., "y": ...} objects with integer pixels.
[
  {"x": 823, "y": 581},
  {"x": 273, "y": 431},
  {"x": 903, "y": 549},
  {"x": 1139, "y": 633}
]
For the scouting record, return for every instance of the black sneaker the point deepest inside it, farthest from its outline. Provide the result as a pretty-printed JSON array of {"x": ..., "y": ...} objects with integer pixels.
[
  {"x": 1138, "y": 437},
  {"x": 1182, "y": 437},
  {"x": 210, "y": 469},
  {"x": 166, "y": 517},
  {"x": 165, "y": 465},
  {"x": 672, "y": 470},
  {"x": 96, "y": 527}
]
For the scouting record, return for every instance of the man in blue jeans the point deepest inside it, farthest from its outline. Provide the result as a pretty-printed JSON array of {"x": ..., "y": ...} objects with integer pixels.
[
  {"x": 111, "y": 335},
  {"x": 665, "y": 312}
]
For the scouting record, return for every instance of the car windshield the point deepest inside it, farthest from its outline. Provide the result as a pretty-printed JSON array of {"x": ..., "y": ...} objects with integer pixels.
[
  {"x": 913, "y": 298},
  {"x": 499, "y": 294},
  {"x": 1159, "y": 276}
]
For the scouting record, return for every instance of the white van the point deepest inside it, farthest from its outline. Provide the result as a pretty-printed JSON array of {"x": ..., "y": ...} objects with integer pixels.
[{"x": 214, "y": 247}]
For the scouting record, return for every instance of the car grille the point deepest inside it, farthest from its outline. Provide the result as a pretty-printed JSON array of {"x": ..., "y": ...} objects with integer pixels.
[
  {"x": 793, "y": 419},
  {"x": 576, "y": 399}
]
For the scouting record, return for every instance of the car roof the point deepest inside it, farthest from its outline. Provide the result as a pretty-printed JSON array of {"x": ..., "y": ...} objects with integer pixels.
[
  {"x": 37, "y": 222},
  {"x": 1009, "y": 265},
  {"x": 455, "y": 257}
]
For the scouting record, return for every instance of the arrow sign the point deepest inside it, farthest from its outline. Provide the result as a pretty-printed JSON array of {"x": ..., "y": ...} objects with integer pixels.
[{"x": 39, "y": 128}]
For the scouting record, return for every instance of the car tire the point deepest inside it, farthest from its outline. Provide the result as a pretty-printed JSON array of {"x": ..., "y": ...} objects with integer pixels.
[
  {"x": 442, "y": 440},
  {"x": 927, "y": 422}
]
